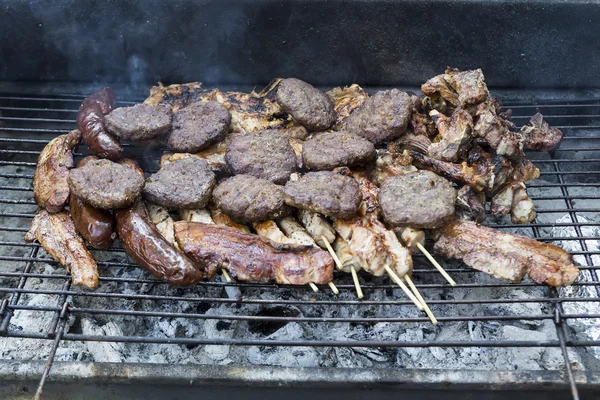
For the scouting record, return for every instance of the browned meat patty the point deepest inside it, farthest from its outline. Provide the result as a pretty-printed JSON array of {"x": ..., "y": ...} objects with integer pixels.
[
  {"x": 306, "y": 104},
  {"x": 140, "y": 122},
  {"x": 105, "y": 184},
  {"x": 250, "y": 199},
  {"x": 325, "y": 192},
  {"x": 263, "y": 154},
  {"x": 382, "y": 117},
  {"x": 336, "y": 149},
  {"x": 418, "y": 199},
  {"x": 198, "y": 125},
  {"x": 185, "y": 183}
]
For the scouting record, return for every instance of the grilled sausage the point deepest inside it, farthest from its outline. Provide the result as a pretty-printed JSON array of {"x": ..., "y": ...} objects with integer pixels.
[
  {"x": 90, "y": 121},
  {"x": 145, "y": 245}
]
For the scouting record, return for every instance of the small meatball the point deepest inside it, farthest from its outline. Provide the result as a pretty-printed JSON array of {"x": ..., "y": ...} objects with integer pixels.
[
  {"x": 263, "y": 154},
  {"x": 419, "y": 199},
  {"x": 140, "y": 122},
  {"x": 198, "y": 125},
  {"x": 250, "y": 199},
  {"x": 185, "y": 183},
  {"x": 106, "y": 184},
  {"x": 336, "y": 149},
  {"x": 325, "y": 192},
  {"x": 382, "y": 117},
  {"x": 306, "y": 104}
]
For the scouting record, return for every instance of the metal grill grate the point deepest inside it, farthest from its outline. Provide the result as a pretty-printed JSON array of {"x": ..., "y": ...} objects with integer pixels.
[{"x": 568, "y": 191}]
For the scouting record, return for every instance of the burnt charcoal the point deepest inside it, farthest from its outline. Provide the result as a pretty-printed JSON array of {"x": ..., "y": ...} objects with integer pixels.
[
  {"x": 140, "y": 122},
  {"x": 336, "y": 149},
  {"x": 198, "y": 125},
  {"x": 267, "y": 328},
  {"x": 306, "y": 104}
]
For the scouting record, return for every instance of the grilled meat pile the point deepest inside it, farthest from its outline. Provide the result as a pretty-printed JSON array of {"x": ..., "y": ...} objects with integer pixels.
[{"x": 264, "y": 182}]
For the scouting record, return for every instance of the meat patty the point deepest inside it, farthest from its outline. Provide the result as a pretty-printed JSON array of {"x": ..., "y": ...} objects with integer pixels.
[
  {"x": 185, "y": 183},
  {"x": 419, "y": 199},
  {"x": 382, "y": 117},
  {"x": 250, "y": 199},
  {"x": 198, "y": 125},
  {"x": 306, "y": 104},
  {"x": 105, "y": 184},
  {"x": 325, "y": 192},
  {"x": 336, "y": 149},
  {"x": 140, "y": 122},
  {"x": 263, "y": 154}
]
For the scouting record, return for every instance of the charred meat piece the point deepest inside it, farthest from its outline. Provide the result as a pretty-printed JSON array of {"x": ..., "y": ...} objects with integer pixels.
[
  {"x": 90, "y": 121},
  {"x": 105, "y": 184},
  {"x": 410, "y": 141},
  {"x": 492, "y": 130},
  {"x": 539, "y": 135},
  {"x": 150, "y": 250},
  {"x": 502, "y": 201},
  {"x": 420, "y": 199},
  {"x": 140, "y": 122},
  {"x": 346, "y": 100},
  {"x": 524, "y": 170},
  {"x": 522, "y": 208},
  {"x": 336, "y": 149},
  {"x": 213, "y": 155},
  {"x": 306, "y": 104},
  {"x": 470, "y": 205},
  {"x": 441, "y": 96},
  {"x": 421, "y": 124},
  {"x": 253, "y": 258},
  {"x": 382, "y": 117},
  {"x": 325, "y": 192},
  {"x": 263, "y": 154},
  {"x": 185, "y": 183},
  {"x": 454, "y": 138},
  {"x": 389, "y": 164},
  {"x": 504, "y": 255},
  {"x": 197, "y": 126},
  {"x": 469, "y": 85},
  {"x": 56, "y": 233},
  {"x": 250, "y": 199},
  {"x": 50, "y": 186}
]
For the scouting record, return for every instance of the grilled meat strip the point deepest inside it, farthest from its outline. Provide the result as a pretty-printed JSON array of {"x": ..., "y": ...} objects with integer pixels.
[
  {"x": 50, "y": 186},
  {"x": 250, "y": 257},
  {"x": 90, "y": 121},
  {"x": 57, "y": 235},
  {"x": 504, "y": 255}
]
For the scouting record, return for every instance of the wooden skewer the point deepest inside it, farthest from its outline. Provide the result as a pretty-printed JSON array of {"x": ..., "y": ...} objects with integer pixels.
[
  {"x": 339, "y": 265},
  {"x": 334, "y": 288},
  {"x": 421, "y": 299},
  {"x": 399, "y": 282},
  {"x": 436, "y": 264},
  {"x": 313, "y": 287},
  {"x": 226, "y": 275}
]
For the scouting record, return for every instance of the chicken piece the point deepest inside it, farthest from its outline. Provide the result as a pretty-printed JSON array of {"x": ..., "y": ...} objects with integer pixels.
[
  {"x": 177, "y": 96},
  {"x": 410, "y": 237},
  {"x": 270, "y": 230},
  {"x": 50, "y": 187},
  {"x": 504, "y": 255},
  {"x": 522, "y": 208},
  {"x": 390, "y": 164},
  {"x": 296, "y": 232},
  {"x": 345, "y": 101},
  {"x": 470, "y": 205},
  {"x": 491, "y": 129},
  {"x": 163, "y": 221},
  {"x": 366, "y": 244},
  {"x": 213, "y": 155},
  {"x": 317, "y": 226},
  {"x": 197, "y": 215},
  {"x": 220, "y": 218},
  {"x": 539, "y": 135},
  {"x": 57, "y": 235},
  {"x": 454, "y": 138},
  {"x": 346, "y": 256}
]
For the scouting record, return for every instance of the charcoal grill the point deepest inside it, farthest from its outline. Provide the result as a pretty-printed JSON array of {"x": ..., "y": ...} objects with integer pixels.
[{"x": 185, "y": 41}]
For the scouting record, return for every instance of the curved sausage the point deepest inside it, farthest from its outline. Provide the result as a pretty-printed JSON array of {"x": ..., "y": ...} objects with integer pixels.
[
  {"x": 90, "y": 122},
  {"x": 146, "y": 246}
]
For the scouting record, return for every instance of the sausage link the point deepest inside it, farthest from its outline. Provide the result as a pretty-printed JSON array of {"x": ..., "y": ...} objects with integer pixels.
[{"x": 90, "y": 121}]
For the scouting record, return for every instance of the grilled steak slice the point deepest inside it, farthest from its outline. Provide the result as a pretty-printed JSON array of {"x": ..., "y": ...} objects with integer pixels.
[
  {"x": 263, "y": 154},
  {"x": 105, "y": 184},
  {"x": 382, "y": 117},
  {"x": 325, "y": 192},
  {"x": 306, "y": 104},
  {"x": 50, "y": 187},
  {"x": 454, "y": 138},
  {"x": 185, "y": 183},
  {"x": 140, "y": 122},
  {"x": 56, "y": 233},
  {"x": 250, "y": 257},
  {"x": 336, "y": 149},
  {"x": 419, "y": 199},
  {"x": 538, "y": 135},
  {"x": 504, "y": 255},
  {"x": 197, "y": 126},
  {"x": 250, "y": 199}
]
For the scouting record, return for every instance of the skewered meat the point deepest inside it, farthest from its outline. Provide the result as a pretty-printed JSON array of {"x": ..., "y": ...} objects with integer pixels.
[
  {"x": 150, "y": 250},
  {"x": 390, "y": 164},
  {"x": 296, "y": 232},
  {"x": 213, "y": 155},
  {"x": 504, "y": 255},
  {"x": 538, "y": 135},
  {"x": 90, "y": 121},
  {"x": 336, "y": 149},
  {"x": 105, "y": 184},
  {"x": 522, "y": 208},
  {"x": 324, "y": 192},
  {"x": 410, "y": 237},
  {"x": 399, "y": 199},
  {"x": 251, "y": 257},
  {"x": 164, "y": 222},
  {"x": 454, "y": 138},
  {"x": 492, "y": 130},
  {"x": 220, "y": 218},
  {"x": 346, "y": 256},
  {"x": 250, "y": 199},
  {"x": 140, "y": 122},
  {"x": 306, "y": 104},
  {"x": 50, "y": 181},
  {"x": 317, "y": 226},
  {"x": 197, "y": 215},
  {"x": 264, "y": 154},
  {"x": 346, "y": 100},
  {"x": 185, "y": 183},
  {"x": 197, "y": 126},
  {"x": 56, "y": 233},
  {"x": 270, "y": 230},
  {"x": 382, "y": 117},
  {"x": 470, "y": 205}
]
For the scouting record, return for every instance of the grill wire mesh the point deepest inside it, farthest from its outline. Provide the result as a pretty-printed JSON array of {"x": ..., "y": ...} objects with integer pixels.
[{"x": 567, "y": 191}]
